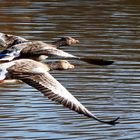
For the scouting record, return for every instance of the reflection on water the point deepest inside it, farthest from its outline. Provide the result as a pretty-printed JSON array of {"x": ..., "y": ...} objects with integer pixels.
[{"x": 109, "y": 29}]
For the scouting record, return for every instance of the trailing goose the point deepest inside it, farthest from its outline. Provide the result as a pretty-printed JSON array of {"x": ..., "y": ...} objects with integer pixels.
[
  {"x": 55, "y": 65},
  {"x": 36, "y": 75}
]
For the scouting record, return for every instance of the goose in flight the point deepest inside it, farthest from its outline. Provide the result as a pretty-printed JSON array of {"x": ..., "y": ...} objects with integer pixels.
[
  {"x": 55, "y": 65},
  {"x": 9, "y": 40},
  {"x": 34, "y": 49},
  {"x": 36, "y": 75}
]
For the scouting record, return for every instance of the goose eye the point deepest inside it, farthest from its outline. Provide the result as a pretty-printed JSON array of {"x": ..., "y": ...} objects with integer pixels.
[{"x": 65, "y": 62}]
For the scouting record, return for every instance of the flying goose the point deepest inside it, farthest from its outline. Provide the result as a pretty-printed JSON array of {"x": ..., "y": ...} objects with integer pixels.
[
  {"x": 55, "y": 65},
  {"x": 34, "y": 49},
  {"x": 36, "y": 75},
  {"x": 9, "y": 40}
]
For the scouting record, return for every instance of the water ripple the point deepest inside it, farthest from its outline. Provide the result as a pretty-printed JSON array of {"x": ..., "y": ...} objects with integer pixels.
[{"x": 106, "y": 29}]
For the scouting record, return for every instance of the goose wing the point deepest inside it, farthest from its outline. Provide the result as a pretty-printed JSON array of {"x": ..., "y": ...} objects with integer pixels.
[
  {"x": 37, "y": 48},
  {"x": 46, "y": 50},
  {"x": 30, "y": 50},
  {"x": 51, "y": 88},
  {"x": 56, "y": 53}
]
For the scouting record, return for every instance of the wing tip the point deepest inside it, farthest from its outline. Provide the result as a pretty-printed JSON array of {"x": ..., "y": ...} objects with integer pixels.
[{"x": 114, "y": 122}]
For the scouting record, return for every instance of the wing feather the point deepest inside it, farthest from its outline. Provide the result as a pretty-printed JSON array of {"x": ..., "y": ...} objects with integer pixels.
[
  {"x": 51, "y": 88},
  {"x": 52, "y": 52}
]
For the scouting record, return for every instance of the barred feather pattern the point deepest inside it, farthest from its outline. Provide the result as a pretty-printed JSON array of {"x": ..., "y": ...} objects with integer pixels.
[
  {"x": 68, "y": 101},
  {"x": 49, "y": 87}
]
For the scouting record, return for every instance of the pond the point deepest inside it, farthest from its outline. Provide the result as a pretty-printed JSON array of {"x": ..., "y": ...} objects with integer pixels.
[{"x": 106, "y": 29}]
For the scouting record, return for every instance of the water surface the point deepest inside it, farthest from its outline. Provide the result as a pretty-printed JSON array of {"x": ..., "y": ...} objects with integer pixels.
[{"x": 106, "y": 29}]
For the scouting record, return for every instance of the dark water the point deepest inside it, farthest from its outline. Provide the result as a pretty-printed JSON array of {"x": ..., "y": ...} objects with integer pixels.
[{"x": 107, "y": 29}]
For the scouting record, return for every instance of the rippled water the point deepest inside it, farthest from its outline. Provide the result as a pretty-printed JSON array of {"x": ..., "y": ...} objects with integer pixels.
[{"x": 107, "y": 29}]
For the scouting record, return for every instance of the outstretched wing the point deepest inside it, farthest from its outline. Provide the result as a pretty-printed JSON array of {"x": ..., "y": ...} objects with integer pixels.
[
  {"x": 32, "y": 49},
  {"x": 49, "y": 51},
  {"x": 56, "y": 53},
  {"x": 37, "y": 48},
  {"x": 51, "y": 88}
]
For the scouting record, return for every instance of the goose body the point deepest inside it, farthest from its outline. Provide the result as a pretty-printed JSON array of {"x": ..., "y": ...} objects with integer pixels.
[
  {"x": 49, "y": 66},
  {"x": 33, "y": 49},
  {"x": 9, "y": 40},
  {"x": 36, "y": 75}
]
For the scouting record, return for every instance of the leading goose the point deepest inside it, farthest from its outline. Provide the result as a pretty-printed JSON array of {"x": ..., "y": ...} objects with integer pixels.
[
  {"x": 34, "y": 49},
  {"x": 9, "y": 40},
  {"x": 36, "y": 75}
]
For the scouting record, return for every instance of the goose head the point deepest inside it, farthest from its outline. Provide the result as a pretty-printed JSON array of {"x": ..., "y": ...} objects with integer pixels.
[
  {"x": 60, "y": 65},
  {"x": 65, "y": 41}
]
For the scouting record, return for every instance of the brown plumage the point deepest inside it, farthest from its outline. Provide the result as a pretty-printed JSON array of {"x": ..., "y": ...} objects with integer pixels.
[
  {"x": 65, "y": 41},
  {"x": 34, "y": 49},
  {"x": 9, "y": 40},
  {"x": 49, "y": 66},
  {"x": 36, "y": 75},
  {"x": 16, "y": 47}
]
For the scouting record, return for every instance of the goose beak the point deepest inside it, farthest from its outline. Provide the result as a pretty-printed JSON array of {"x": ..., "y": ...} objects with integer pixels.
[
  {"x": 71, "y": 66},
  {"x": 77, "y": 41}
]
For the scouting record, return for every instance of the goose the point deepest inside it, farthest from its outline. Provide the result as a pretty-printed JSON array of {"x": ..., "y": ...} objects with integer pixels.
[
  {"x": 55, "y": 65},
  {"x": 9, "y": 40},
  {"x": 34, "y": 49},
  {"x": 36, "y": 74}
]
